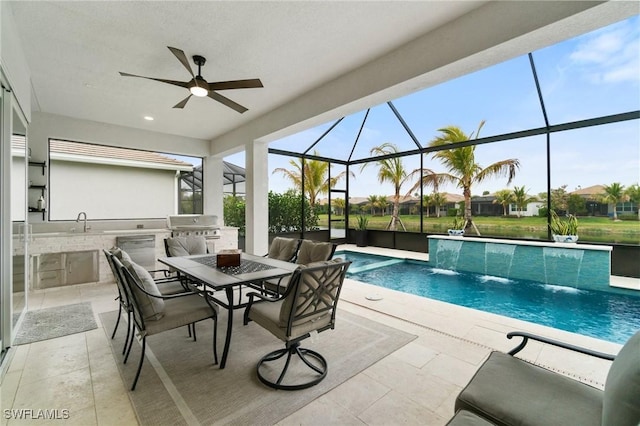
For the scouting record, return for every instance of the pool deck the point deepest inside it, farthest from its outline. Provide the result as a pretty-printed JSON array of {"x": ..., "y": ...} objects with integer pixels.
[{"x": 416, "y": 384}]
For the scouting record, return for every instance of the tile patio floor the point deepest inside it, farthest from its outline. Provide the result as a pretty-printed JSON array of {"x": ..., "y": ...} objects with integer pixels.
[{"x": 416, "y": 384}]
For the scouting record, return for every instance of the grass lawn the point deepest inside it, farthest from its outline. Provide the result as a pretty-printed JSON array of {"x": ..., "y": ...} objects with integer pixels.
[{"x": 597, "y": 229}]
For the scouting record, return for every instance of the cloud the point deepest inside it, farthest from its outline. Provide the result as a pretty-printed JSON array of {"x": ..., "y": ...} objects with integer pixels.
[{"x": 610, "y": 55}]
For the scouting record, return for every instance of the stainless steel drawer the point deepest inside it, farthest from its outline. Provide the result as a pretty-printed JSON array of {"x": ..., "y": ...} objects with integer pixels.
[{"x": 50, "y": 262}]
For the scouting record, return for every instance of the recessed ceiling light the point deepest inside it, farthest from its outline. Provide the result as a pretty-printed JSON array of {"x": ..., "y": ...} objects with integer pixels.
[{"x": 148, "y": 118}]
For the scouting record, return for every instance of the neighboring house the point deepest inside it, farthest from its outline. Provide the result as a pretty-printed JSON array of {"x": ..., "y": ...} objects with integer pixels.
[
  {"x": 531, "y": 209},
  {"x": 483, "y": 205},
  {"x": 111, "y": 183},
  {"x": 593, "y": 200}
]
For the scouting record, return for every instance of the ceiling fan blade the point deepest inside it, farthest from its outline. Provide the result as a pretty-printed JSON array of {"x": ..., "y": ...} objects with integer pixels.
[
  {"x": 226, "y": 101},
  {"x": 236, "y": 84},
  {"x": 161, "y": 80},
  {"x": 182, "y": 58},
  {"x": 183, "y": 102}
]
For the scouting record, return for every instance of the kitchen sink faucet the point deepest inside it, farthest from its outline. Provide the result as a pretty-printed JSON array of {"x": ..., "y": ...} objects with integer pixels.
[{"x": 84, "y": 222}]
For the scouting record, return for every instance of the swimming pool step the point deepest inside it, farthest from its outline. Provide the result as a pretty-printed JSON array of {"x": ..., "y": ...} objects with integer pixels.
[{"x": 376, "y": 265}]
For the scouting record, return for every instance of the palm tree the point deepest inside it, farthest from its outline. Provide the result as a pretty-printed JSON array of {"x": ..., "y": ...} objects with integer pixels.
[
  {"x": 339, "y": 204},
  {"x": 504, "y": 197},
  {"x": 372, "y": 200},
  {"x": 315, "y": 177},
  {"x": 633, "y": 192},
  {"x": 439, "y": 199},
  {"x": 614, "y": 194},
  {"x": 462, "y": 169},
  {"x": 427, "y": 200},
  {"x": 390, "y": 170},
  {"x": 382, "y": 203},
  {"x": 521, "y": 198}
]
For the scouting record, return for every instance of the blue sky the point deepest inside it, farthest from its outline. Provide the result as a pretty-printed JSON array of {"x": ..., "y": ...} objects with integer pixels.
[{"x": 592, "y": 75}]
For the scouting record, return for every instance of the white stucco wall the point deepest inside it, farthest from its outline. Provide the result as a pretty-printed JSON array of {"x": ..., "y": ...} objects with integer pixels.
[{"x": 110, "y": 192}]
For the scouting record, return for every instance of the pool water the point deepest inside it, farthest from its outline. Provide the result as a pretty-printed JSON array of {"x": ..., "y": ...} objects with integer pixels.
[{"x": 608, "y": 316}]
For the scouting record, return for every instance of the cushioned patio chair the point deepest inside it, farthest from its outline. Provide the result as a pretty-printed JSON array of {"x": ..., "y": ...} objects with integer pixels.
[
  {"x": 154, "y": 313},
  {"x": 308, "y": 252},
  {"x": 165, "y": 286},
  {"x": 308, "y": 306},
  {"x": 510, "y": 391}
]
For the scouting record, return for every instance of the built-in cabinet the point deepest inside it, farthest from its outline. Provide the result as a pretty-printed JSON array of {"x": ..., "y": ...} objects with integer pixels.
[{"x": 65, "y": 268}]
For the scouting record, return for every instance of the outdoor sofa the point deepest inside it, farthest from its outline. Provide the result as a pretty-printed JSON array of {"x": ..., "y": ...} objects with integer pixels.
[{"x": 510, "y": 391}]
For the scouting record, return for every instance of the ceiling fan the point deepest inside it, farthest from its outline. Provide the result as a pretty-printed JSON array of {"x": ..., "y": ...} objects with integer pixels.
[{"x": 199, "y": 87}]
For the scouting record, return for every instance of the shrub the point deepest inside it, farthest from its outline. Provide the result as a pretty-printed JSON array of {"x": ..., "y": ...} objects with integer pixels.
[
  {"x": 234, "y": 210},
  {"x": 285, "y": 213}
]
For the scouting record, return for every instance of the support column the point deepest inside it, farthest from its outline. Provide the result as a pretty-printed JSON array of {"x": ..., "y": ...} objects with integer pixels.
[
  {"x": 212, "y": 176},
  {"x": 257, "y": 187}
]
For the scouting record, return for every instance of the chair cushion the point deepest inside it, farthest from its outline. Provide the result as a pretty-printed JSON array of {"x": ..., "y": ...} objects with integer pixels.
[
  {"x": 621, "y": 403},
  {"x": 122, "y": 255},
  {"x": 152, "y": 308},
  {"x": 283, "y": 248},
  {"x": 181, "y": 311},
  {"x": 313, "y": 251},
  {"x": 509, "y": 391},
  {"x": 267, "y": 314},
  {"x": 277, "y": 285},
  {"x": 185, "y": 246}
]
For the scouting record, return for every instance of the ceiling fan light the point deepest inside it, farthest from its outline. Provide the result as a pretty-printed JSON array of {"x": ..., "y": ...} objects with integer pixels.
[{"x": 198, "y": 91}]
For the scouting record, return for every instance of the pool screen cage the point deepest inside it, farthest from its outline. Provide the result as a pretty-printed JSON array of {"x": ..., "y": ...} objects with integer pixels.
[{"x": 420, "y": 149}]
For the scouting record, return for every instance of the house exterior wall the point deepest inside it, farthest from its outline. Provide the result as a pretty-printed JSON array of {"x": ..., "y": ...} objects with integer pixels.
[
  {"x": 531, "y": 210},
  {"x": 110, "y": 192}
]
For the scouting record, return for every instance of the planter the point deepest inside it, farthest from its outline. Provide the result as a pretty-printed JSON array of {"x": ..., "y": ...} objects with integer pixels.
[
  {"x": 565, "y": 238},
  {"x": 456, "y": 232},
  {"x": 361, "y": 238}
]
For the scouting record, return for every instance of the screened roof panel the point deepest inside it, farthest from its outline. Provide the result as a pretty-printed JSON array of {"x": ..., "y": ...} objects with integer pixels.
[
  {"x": 579, "y": 77},
  {"x": 503, "y": 95},
  {"x": 299, "y": 142}
]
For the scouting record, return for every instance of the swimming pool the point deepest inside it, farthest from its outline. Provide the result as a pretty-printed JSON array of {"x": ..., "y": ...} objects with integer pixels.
[{"x": 609, "y": 316}]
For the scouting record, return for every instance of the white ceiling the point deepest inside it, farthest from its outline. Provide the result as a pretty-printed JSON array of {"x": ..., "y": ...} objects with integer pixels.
[
  {"x": 76, "y": 49},
  {"x": 317, "y": 59}
]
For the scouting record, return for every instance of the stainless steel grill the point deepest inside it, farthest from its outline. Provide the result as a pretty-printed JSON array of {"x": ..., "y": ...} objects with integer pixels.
[{"x": 194, "y": 224}]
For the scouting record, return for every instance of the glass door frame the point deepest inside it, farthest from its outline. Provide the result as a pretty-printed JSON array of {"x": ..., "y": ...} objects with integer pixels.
[{"x": 6, "y": 323}]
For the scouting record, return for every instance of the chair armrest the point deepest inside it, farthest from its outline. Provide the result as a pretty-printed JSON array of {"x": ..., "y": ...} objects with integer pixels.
[
  {"x": 165, "y": 296},
  {"x": 526, "y": 336}
]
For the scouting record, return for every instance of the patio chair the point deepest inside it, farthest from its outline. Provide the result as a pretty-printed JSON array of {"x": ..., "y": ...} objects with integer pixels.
[
  {"x": 510, "y": 391},
  {"x": 164, "y": 286},
  {"x": 308, "y": 252},
  {"x": 154, "y": 313},
  {"x": 308, "y": 306},
  {"x": 185, "y": 246}
]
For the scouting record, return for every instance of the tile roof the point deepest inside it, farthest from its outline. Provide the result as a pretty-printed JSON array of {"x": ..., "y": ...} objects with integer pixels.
[{"x": 91, "y": 150}]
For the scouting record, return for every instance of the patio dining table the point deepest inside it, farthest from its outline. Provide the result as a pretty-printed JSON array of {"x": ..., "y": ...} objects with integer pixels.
[{"x": 252, "y": 269}]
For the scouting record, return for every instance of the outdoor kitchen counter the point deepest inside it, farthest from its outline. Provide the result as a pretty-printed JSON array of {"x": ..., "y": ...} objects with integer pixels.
[{"x": 63, "y": 242}]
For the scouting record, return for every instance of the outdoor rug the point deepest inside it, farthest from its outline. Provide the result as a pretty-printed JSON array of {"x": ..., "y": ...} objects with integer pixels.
[
  {"x": 49, "y": 323},
  {"x": 184, "y": 387}
]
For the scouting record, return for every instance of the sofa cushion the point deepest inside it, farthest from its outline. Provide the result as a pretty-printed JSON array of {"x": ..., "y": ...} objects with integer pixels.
[
  {"x": 467, "y": 418},
  {"x": 509, "y": 391},
  {"x": 621, "y": 402},
  {"x": 152, "y": 308},
  {"x": 185, "y": 246}
]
